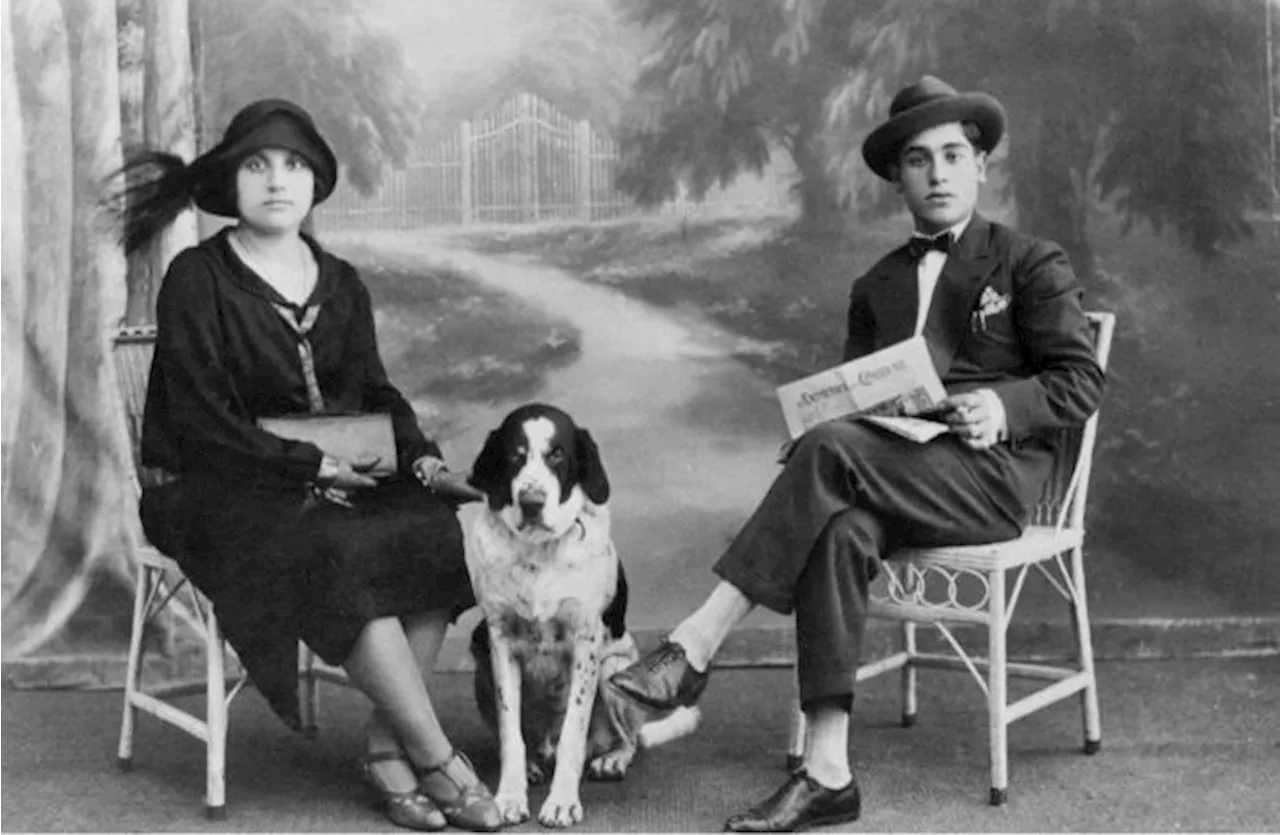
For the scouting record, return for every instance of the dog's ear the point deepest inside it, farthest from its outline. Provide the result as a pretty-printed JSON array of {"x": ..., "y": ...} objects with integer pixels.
[
  {"x": 487, "y": 473},
  {"x": 591, "y": 474}
]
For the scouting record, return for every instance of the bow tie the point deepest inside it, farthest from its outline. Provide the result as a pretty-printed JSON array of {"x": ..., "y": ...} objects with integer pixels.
[{"x": 919, "y": 245}]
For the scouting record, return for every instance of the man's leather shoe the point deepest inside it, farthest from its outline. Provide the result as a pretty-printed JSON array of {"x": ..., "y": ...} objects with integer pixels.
[
  {"x": 799, "y": 804},
  {"x": 662, "y": 680}
]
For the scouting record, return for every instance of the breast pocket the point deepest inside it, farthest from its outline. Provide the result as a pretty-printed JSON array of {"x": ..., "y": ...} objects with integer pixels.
[{"x": 995, "y": 346}]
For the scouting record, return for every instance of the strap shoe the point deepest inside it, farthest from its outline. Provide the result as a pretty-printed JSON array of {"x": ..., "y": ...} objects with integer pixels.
[
  {"x": 457, "y": 790},
  {"x": 411, "y": 809}
]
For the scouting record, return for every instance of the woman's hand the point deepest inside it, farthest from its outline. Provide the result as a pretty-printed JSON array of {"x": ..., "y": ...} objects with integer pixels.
[
  {"x": 437, "y": 478},
  {"x": 346, "y": 475},
  {"x": 454, "y": 486}
]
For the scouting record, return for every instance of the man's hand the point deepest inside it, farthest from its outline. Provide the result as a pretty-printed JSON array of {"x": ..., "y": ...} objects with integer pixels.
[
  {"x": 976, "y": 417},
  {"x": 345, "y": 474}
]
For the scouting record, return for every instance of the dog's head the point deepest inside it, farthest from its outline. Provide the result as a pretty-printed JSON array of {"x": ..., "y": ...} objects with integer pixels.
[{"x": 537, "y": 468}]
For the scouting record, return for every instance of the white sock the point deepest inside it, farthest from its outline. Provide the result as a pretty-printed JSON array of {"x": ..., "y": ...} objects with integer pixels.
[
  {"x": 826, "y": 746},
  {"x": 702, "y": 633}
]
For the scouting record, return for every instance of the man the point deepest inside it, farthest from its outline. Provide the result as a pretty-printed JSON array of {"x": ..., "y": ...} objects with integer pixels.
[{"x": 1002, "y": 316}]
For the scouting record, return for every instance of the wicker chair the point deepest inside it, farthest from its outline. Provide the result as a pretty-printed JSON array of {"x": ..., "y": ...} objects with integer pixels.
[
  {"x": 970, "y": 585},
  {"x": 160, "y": 585}
]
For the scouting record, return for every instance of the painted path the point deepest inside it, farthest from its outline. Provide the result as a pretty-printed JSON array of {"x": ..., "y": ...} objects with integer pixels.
[{"x": 688, "y": 434}]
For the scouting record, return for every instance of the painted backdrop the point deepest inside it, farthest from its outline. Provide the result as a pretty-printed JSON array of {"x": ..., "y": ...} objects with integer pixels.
[{"x": 66, "y": 522}]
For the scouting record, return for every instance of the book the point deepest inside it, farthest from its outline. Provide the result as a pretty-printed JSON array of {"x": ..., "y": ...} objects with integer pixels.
[{"x": 886, "y": 388}]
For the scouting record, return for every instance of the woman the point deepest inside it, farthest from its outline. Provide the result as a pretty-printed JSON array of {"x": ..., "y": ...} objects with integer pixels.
[{"x": 287, "y": 541}]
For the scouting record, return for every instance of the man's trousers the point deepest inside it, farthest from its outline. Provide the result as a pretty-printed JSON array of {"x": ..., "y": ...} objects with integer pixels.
[{"x": 850, "y": 493}]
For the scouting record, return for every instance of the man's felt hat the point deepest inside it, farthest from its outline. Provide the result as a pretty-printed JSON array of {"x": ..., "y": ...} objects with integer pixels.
[
  {"x": 269, "y": 123},
  {"x": 926, "y": 104}
]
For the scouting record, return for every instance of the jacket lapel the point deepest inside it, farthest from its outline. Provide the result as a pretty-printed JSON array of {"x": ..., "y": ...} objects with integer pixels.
[
  {"x": 894, "y": 298},
  {"x": 894, "y": 295}
]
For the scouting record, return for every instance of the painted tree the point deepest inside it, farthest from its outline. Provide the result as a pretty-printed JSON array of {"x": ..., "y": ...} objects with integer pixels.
[
  {"x": 329, "y": 56},
  {"x": 168, "y": 124},
  {"x": 132, "y": 44},
  {"x": 1206, "y": 112},
  {"x": 1159, "y": 104},
  {"x": 732, "y": 82}
]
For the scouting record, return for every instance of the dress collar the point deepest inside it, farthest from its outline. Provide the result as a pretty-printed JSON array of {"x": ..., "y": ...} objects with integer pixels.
[{"x": 247, "y": 279}]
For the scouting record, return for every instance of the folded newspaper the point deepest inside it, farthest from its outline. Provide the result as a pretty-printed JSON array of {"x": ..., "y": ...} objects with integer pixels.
[{"x": 884, "y": 388}]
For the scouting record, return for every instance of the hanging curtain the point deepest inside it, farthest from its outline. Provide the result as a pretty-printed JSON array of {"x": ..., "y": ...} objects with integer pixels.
[{"x": 68, "y": 514}]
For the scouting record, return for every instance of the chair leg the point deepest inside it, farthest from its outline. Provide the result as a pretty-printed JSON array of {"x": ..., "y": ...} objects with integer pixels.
[
  {"x": 1084, "y": 646},
  {"x": 997, "y": 695},
  {"x": 909, "y": 673},
  {"x": 216, "y": 720},
  {"x": 133, "y": 670},
  {"x": 309, "y": 697}
]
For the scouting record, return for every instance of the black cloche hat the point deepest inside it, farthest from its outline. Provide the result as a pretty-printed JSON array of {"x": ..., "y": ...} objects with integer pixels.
[{"x": 269, "y": 123}]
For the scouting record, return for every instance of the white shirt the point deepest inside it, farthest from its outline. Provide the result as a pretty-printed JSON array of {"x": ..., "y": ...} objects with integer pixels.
[{"x": 927, "y": 271}]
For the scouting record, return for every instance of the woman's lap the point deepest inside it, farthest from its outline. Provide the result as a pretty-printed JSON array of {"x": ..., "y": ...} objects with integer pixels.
[{"x": 278, "y": 569}]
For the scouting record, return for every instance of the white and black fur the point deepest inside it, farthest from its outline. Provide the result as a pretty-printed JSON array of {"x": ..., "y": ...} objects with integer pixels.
[{"x": 554, "y": 597}]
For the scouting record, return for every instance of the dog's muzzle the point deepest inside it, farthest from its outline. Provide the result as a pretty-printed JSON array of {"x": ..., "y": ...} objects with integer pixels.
[{"x": 531, "y": 504}]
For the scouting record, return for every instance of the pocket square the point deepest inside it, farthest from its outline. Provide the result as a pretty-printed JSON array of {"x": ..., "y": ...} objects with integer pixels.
[{"x": 990, "y": 303}]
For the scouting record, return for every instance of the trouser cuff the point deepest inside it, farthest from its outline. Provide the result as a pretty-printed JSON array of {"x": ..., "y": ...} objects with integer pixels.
[{"x": 759, "y": 590}]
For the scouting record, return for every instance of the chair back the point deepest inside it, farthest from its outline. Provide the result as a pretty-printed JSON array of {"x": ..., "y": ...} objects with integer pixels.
[
  {"x": 132, "y": 350},
  {"x": 1062, "y": 501}
]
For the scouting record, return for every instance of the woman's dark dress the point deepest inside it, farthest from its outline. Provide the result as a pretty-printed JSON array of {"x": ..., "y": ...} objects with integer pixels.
[{"x": 279, "y": 565}]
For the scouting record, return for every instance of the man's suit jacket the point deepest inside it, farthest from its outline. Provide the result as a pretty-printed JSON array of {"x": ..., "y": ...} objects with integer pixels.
[
  {"x": 1033, "y": 346},
  {"x": 1006, "y": 315}
]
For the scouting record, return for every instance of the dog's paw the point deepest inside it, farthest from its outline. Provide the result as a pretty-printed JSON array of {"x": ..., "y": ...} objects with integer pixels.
[
  {"x": 514, "y": 806},
  {"x": 611, "y": 767},
  {"x": 562, "y": 808}
]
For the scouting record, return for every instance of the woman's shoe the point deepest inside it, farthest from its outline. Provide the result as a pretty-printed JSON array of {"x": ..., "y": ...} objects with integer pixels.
[
  {"x": 411, "y": 809},
  {"x": 457, "y": 790}
]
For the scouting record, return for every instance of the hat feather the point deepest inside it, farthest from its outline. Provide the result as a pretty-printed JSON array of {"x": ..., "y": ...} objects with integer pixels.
[{"x": 157, "y": 188}]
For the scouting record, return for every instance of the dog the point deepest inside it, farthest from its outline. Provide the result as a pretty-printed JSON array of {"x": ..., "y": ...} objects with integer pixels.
[{"x": 554, "y": 597}]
